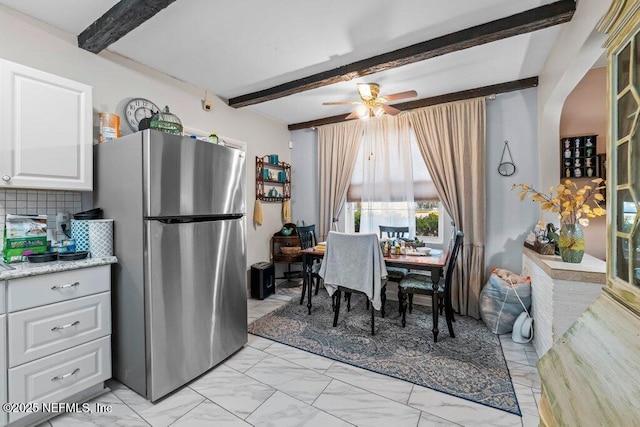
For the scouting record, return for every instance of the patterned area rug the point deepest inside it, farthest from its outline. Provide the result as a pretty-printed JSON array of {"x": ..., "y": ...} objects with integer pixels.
[{"x": 470, "y": 366}]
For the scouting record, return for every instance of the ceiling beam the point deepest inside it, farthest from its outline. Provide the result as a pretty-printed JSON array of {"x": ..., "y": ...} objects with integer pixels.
[
  {"x": 123, "y": 17},
  {"x": 434, "y": 100},
  {"x": 524, "y": 22}
]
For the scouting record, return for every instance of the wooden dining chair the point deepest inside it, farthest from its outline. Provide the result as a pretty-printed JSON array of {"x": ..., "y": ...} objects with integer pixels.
[
  {"x": 307, "y": 236},
  {"x": 353, "y": 263},
  {"x": 393, "y": 232},
  {"x": 396, "y": 274},
  {"x": 452, "y": 240},
  {"x": 416, "y": 283}
]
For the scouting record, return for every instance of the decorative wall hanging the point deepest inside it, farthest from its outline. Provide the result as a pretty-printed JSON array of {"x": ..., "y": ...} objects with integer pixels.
[{"x": 506, "y": 168}]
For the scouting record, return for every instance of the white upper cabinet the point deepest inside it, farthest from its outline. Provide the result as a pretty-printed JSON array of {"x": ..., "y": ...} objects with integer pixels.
[{"x": 46, "y": 133}]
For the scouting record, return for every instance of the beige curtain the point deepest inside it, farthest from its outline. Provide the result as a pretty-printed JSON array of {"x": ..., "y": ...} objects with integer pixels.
[
  {"x": 451, "y": 138},
  {"x": 337, "y": 152}
]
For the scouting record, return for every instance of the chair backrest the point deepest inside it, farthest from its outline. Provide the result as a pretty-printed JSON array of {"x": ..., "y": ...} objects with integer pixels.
[
  {"x": 393, "y": 232},
  {"x": 453, "y": 256},
  {"x": 452, "y": 239},
  {"x": 351, "y": 260},
  {"x": 307, "y": 236}
]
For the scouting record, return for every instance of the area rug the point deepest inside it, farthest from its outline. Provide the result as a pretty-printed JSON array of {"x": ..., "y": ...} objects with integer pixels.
[{"x": 470, "y": 366}]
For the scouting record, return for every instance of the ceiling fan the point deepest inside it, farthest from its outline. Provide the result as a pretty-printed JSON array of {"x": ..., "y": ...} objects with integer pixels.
[{"x": 372, "y": 105}]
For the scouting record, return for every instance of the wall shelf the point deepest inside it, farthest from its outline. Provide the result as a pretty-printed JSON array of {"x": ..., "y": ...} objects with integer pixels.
[
  {"x": 276, "y": 175},
  {"x": 578, "y": 154}
]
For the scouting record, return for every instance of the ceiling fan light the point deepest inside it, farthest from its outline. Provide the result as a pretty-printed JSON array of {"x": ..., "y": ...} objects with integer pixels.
[
  {"x": 362, "y": 112},
  {"x": 368, "y": 91},
  {"x": 365, "y": 90},
  {"x": 378, "y": 111}
]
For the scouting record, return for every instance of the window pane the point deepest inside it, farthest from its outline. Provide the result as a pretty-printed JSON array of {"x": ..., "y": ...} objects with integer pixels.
[
  {"x": 427, "y": 219},
  {"x": 623, "y": 175},
  {"x": 623, "y": 67},
  {"x": 626, "y": 211},
  {"x": 627, "y": 111},
  {"x": 635, "y": 246},
  {"x": 622, "y": 261},
  {"x": 636, "y": 61}
]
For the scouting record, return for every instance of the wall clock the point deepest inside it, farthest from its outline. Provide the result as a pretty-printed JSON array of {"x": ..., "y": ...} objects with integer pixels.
[{"x": 137, "y": 110}]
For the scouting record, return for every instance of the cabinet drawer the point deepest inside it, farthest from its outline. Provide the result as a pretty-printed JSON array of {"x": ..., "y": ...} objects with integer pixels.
[
  {"x": 42, "y": 331},
  {"x": 61, "y": 375},
  {"x": 35, "y": 291},
  {"x": 3, "y": 365}
]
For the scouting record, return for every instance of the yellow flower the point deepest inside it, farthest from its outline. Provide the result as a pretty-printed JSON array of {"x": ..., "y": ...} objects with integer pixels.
[{"x": 569, "y": 205}]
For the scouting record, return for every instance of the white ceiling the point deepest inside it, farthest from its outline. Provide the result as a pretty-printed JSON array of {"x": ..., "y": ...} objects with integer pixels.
[{"x": 232, "y": 47}]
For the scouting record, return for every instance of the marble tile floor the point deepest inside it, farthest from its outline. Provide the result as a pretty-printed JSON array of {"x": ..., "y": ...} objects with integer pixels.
[{"x": 270, "y": 384}]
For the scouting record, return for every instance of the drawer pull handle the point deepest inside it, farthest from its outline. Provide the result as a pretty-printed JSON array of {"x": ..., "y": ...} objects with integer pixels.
[
  {"x": 70, "y": 285},
  {"x": 56, "y": 378},
  {"x": 68, "y": 325}
]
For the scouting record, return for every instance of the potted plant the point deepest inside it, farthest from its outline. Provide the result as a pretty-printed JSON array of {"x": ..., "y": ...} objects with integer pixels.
[{"x": 573, "y": 209}]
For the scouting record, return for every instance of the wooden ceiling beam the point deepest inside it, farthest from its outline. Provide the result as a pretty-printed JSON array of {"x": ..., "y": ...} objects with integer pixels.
[
  {"x": 123, "y": 17},
  {"x": 434, "y": 100},
  {"x": 520, "y": 23}
]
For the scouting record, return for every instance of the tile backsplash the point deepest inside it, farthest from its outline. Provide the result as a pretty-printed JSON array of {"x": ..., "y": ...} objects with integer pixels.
[{"x": 41, "y": 202}]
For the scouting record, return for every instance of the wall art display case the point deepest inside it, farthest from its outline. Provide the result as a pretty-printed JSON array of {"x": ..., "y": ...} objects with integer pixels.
[{"x": 578, "y": 157}]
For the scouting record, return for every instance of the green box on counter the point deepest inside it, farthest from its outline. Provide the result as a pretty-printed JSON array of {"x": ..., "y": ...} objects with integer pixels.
[
  {"x": 24, "y": 235},
  {"x": 15, "y": 249}
]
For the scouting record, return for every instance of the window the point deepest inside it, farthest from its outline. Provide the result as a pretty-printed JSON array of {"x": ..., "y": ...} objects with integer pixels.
[
  {"x": 428, "y": 218},
  {"x": 423, "y": 206}
]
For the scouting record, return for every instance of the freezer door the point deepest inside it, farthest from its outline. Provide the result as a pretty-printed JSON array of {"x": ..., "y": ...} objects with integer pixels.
[
  {"x": 195, "y": 297},
  {"x": 184, "y": 176}
]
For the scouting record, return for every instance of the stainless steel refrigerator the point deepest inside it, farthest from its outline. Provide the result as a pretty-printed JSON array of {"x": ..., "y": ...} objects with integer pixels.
[{"x": 179, "y": 289}]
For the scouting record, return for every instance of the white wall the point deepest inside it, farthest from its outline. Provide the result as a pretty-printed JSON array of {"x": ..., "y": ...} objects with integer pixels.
[
  {"x": 577, "y": 48},
  {"x": 512, "y": 117},
  {"x": 116, "y": 79},
  {"x": 585, "y": 113}
]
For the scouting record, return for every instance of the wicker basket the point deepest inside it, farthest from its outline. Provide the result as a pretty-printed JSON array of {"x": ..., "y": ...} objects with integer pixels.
[
  {"x": 542, "y": 248},
  {"x": 290, "y": 250}
]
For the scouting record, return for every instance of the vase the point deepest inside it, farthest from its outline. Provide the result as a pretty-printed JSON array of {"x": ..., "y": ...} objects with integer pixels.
[{"x": 571, "y": 243}]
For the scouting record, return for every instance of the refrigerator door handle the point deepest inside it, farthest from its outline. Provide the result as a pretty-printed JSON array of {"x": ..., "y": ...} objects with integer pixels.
[{"x": 194, "y": 219}]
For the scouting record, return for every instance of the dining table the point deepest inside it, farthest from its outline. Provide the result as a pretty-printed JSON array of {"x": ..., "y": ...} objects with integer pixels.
[{"x": 434, "y": 262}]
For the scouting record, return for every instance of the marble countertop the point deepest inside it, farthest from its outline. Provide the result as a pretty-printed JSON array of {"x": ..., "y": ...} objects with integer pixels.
[
  {"x": 26, "y": 269},
  {"x": 591, "y": 269}
]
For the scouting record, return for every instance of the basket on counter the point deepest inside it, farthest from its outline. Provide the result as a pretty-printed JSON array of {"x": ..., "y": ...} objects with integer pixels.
[
  {"x": 290, "y": 250},
  {"x": 542, "y": 248}
]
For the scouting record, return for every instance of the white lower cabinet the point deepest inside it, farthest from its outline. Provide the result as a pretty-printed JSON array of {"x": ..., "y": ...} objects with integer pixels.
[
  {"x": 3, "y": 364},
  {"x": 35, "y": 291},
  {"x": 54, "y": 378},
  {"x": 55, "y": 337},
  {"x": 45, "y": 330}
]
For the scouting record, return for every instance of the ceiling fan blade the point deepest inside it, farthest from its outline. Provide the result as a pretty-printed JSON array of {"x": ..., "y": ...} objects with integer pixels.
[
  {"x": 390, "y": 110},
  {"x": 341, "y": 103},
  {"x": 353, "y": 115},
  {"x": 399, "y": 95}
]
